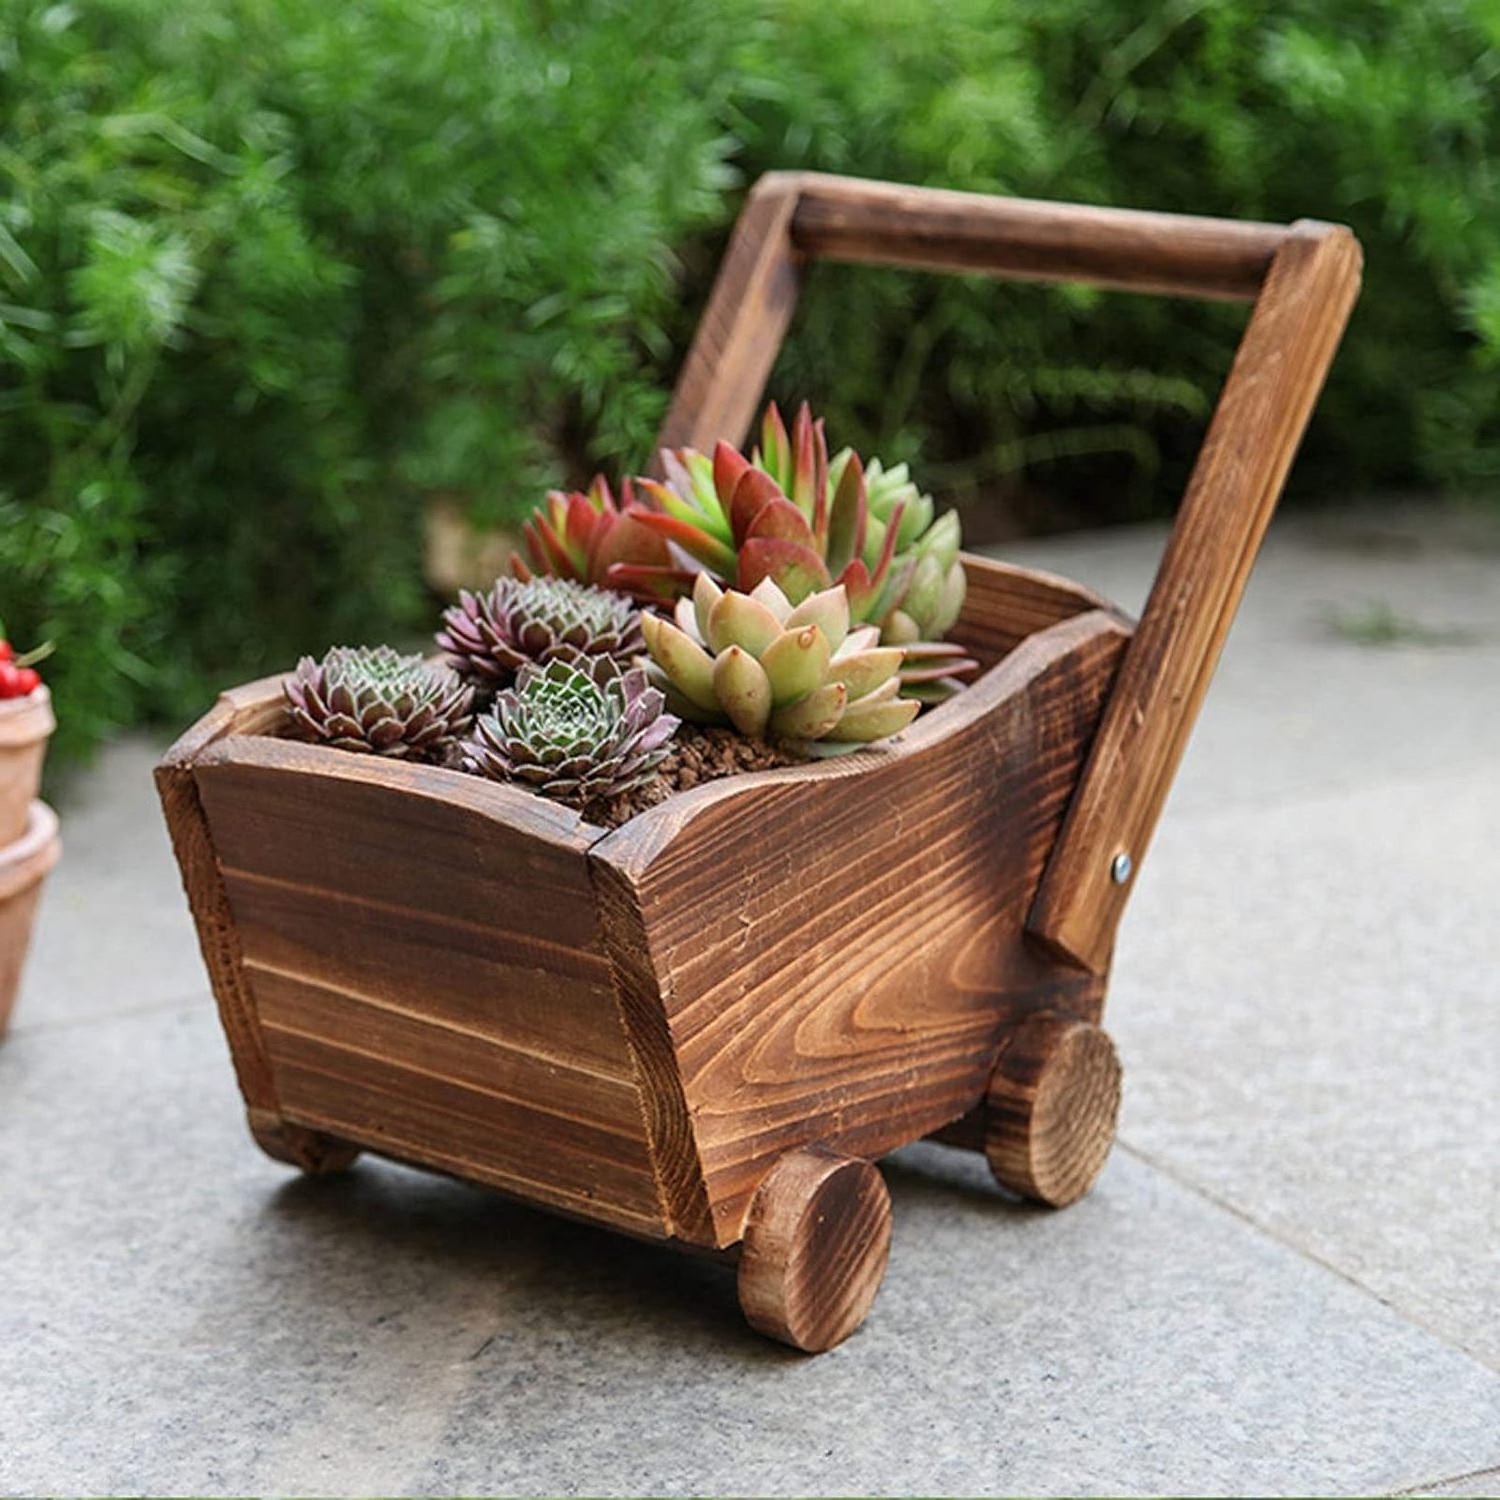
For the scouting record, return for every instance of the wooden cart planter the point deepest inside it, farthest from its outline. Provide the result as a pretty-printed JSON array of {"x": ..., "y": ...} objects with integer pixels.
[{"x": 704, "y": 1026}]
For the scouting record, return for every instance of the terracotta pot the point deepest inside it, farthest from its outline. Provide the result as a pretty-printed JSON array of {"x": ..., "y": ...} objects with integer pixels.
[
  {"x": 25, "y": 726},
  {"x": 24, "y": 864}
]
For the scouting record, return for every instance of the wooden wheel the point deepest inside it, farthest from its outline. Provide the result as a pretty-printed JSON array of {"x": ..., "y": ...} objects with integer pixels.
[
  {"x": 816, "y": 1243},
  {"x": 309, "y": 1151},
  {"x": 1051, "y": 1108}
]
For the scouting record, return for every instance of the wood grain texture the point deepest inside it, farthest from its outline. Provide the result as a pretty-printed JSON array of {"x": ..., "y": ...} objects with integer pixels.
[
  {"x": 251, "y": 709},
  {"x": 837, "y": 950},
  {"x": 791, "y": 217},
  {"x": 254, "y": 708},
  {"x": 674, "y": 1149},
  {"x": 817, "y": 1239},
  {"x": 704, "y": 1024},
  {"x": 427, "y": 974},
  {"x": 1051, "y": 1108},
  {"x": 218, "y": 938},
  {"x": 884, "y": 223},
  {"x": 719, "y": 388},
  {"x": 1067, "y": 992},
  {"x": 1262, "y": 413}
]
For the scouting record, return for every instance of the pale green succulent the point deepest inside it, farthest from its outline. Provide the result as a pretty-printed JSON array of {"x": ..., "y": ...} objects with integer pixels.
[
  {"x": 929, "y": 578},
  {"x": 580, "y": 730},
  {"x": 768, "y": 668}
]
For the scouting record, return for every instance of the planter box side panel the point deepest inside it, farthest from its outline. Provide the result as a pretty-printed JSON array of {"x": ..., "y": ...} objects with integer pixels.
[
  {"x": 1006, "y": 605},
  {"x": 213, "y": 921},
  {"x": 839, "y": 949},
  {"x": 427, "y": 974}
]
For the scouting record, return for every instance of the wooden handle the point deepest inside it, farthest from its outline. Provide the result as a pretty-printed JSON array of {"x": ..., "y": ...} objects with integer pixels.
[
  {"x": 1263, "y": 411},
  {"x": 1178, "y": 255},
  {"x": 724, "y": 376},
  {"x": 791, "y": 217},
  {"x": 1303, "y": 279}
]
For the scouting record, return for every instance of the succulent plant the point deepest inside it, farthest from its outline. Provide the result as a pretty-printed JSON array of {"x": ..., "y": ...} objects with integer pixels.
[
  {"x": 578, "y": 731},
  {"x": 489, "y": 637},
  {"x": 788, "y": 514},
  {"x": 794, "y": 672},
  {"x": 934, "y": 671},
  {"x": 934, "y": 594},
  {"x": 587, "y": 538},
  {"x": 373, "y": 699}
]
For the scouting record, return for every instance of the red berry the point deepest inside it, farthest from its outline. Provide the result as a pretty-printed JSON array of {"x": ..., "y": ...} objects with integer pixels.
[
  {"x": 28, "y": 680},
  {"x": 10, "y": 681},
  {"x": 7, "y": 651}
]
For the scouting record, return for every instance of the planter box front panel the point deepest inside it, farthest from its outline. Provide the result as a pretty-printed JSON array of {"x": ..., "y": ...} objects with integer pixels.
[{"x": 428, "y": 976}]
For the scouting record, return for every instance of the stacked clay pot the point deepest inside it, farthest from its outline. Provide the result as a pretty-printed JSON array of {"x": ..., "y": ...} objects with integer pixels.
[{"x": 29, "y": 844}]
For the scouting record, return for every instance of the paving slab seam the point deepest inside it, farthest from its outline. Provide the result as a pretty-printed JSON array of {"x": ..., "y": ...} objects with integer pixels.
[
  {"x": 1191, "y": 1185},
  {"x": 1439, "y": 1484}
]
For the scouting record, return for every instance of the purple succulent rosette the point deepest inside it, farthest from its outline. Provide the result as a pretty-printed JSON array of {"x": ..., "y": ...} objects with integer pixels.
[
  {"x": 489, "y": 637},
  {"x": 577, "y": 731},
  {"x": 375, "y": 700}
]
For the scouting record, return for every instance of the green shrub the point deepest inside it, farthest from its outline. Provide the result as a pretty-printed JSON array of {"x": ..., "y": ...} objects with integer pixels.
[
  {"x": 271, "y": 271},
  {"x": 1384, "y": 117}
]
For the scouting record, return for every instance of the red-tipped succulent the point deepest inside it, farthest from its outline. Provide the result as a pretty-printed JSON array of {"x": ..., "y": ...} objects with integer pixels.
[
  {"x": 789, "y": 514},
  {"x": 588, "y": 538}
]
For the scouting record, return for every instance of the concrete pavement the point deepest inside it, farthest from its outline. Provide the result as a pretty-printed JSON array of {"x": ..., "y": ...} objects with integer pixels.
[{"x": 1286, "y": 1281}]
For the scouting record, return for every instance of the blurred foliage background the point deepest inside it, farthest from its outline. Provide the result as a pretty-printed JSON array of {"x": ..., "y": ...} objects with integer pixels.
[{"x": 275, "y": 273}]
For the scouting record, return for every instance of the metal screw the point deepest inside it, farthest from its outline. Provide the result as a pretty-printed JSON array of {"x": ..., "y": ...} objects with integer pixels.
[{"x": 1120, "y": 868}]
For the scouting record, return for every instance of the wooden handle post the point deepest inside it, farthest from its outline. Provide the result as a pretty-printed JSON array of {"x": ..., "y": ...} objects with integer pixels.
[
  {"x": 1236, "y": 482},
  {"x": 1303, "y": 280}
]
